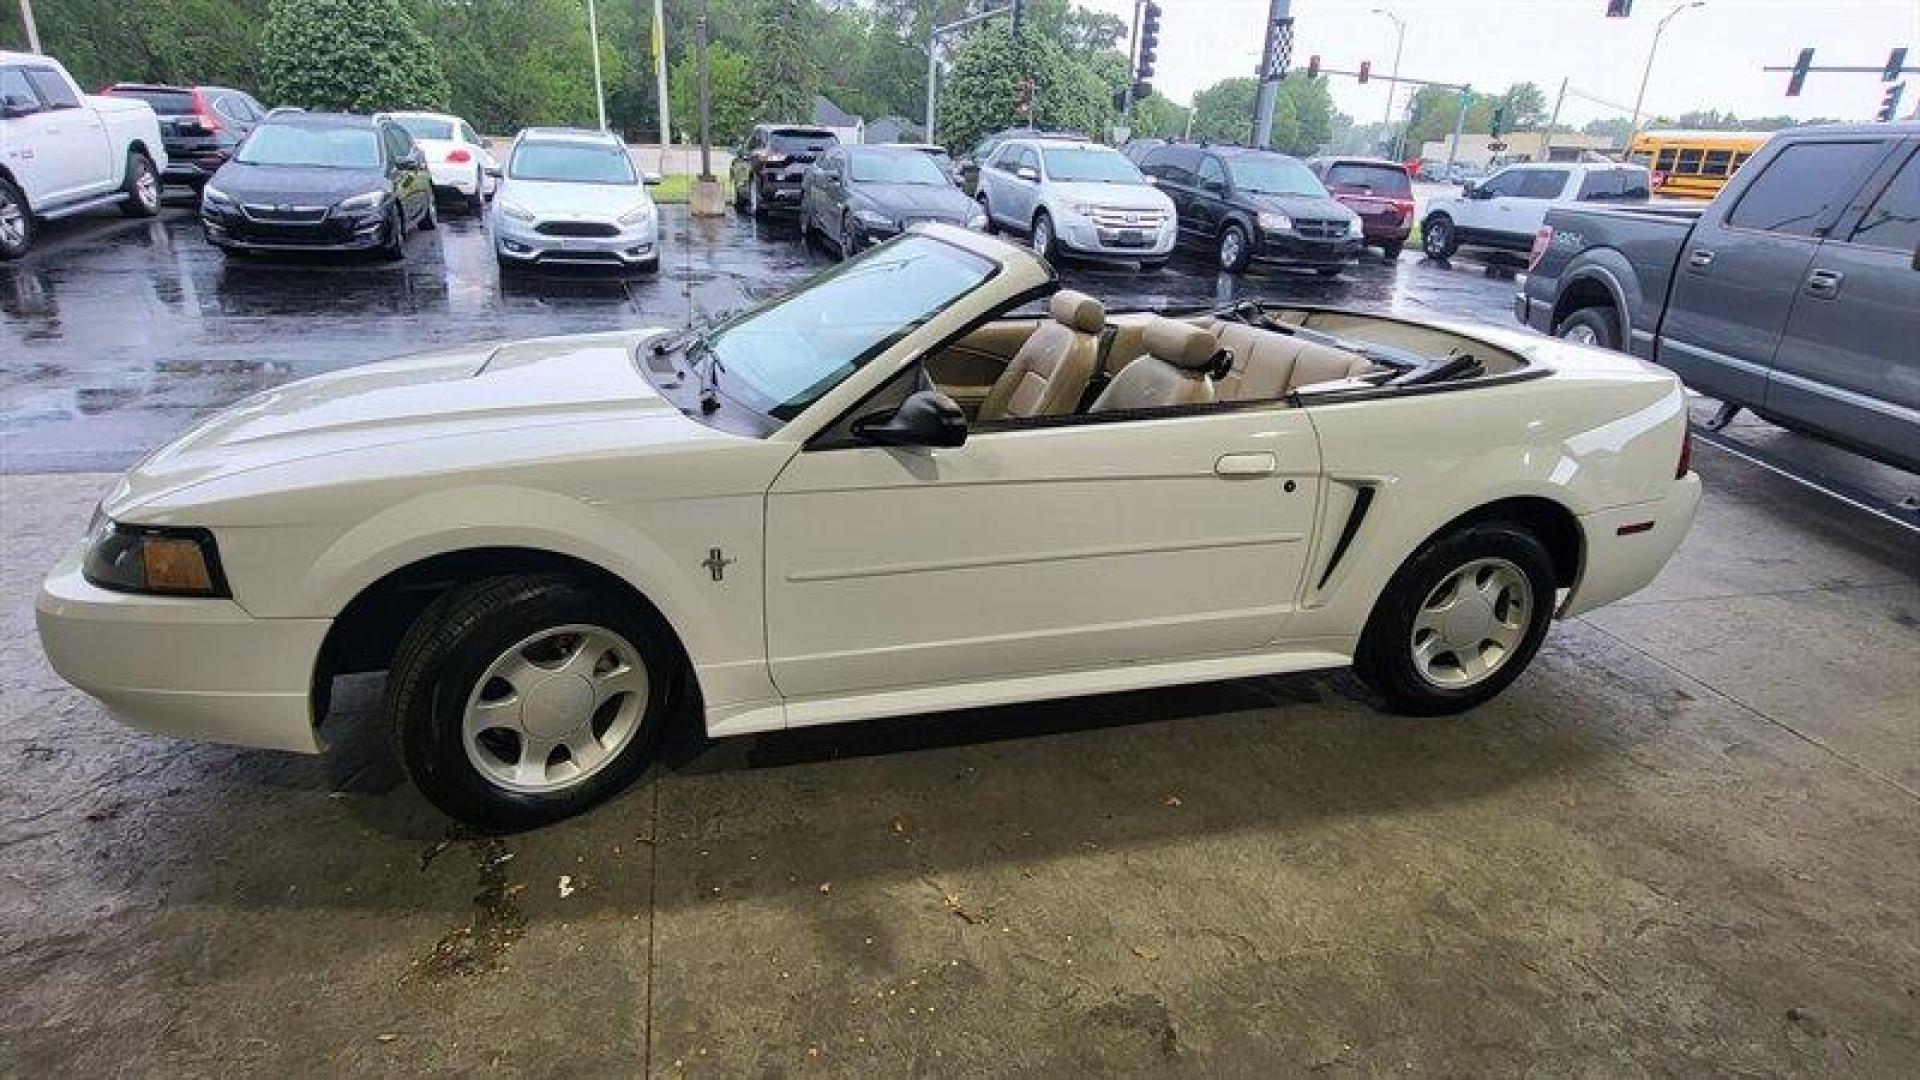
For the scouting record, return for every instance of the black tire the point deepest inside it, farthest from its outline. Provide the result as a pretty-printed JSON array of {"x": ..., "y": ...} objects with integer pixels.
[
  {"x": 991, "y": 228},
  {"x": 1438, "y": 237},
  {"x": 756, "y": 198},
  {"x": 477, "y": 202},
  {"x": 142, "y": 188},
  {"x": 1385, "y": 659},
  {"x": 1601, "y": 322},
  {"x": 16, "y": 222},
  {"x": 395, "y": 244},
  {"x": 845, "y": 247},
  {"x": 1047, "y": 244},
  {"x": 450, "y": 648},
  {"x": 1391, "y": 252},
  {"x": 430, "y": 218},
  {"x": 1232, "y": 252}
]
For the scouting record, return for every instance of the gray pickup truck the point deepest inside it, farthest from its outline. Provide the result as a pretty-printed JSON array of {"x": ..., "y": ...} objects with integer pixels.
[{"x": 1795, "y": 293}]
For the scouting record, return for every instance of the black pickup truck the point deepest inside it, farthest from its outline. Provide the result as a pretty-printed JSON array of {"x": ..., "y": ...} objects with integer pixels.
[{"x": 1795, "y": 293}]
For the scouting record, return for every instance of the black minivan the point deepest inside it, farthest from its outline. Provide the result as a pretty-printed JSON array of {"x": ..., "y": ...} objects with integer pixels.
[{"x": 1245, "y": 205}]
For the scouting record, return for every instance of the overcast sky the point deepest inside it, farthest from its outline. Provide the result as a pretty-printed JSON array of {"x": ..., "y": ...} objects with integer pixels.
[{"x": 1710, "y": 57}]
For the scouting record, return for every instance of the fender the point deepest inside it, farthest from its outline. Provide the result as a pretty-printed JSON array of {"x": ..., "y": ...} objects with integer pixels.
[{"x": 1608, "y": 268}]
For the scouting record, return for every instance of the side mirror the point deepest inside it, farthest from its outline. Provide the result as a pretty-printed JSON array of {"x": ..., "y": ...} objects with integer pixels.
[
  {"x": 926, "y": 418},
  {"x": 1027, "y": 172},
  {"x": 650, "y": 179},
  {"x": 14, "y": 111}
]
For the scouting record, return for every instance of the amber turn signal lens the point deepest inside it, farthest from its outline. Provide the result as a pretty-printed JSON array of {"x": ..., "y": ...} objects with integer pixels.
[{"x": 175, "y": 564}]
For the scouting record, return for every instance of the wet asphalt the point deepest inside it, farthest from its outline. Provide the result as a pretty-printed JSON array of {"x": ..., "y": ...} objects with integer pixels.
[{"x": 119, "y": 334}]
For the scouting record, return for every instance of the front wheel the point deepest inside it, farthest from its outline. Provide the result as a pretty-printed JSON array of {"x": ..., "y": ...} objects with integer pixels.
[
  {"x": 1045, "y": 244},
  {"x": 1234, "y": 252},
  {"x": 395, "y": 245},
  {"x": 755, "y": 207},
  {"x": 142, "y": 189},
  {"x": 1438, "y": 237},
  {"x": 1459, "y": 621},
  {"x": 990, "y": 228},
  {"x": 516, "y": 701},
  {"x": 430, "y": 220},
  {"x": 1590, "y": 326},
  {"x": 477, "y": 202},
  {"x": 16, "y": 222}
]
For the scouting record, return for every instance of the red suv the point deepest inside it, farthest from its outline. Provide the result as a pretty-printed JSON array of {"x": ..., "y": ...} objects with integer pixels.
[{"x": 1378, "y": 190}]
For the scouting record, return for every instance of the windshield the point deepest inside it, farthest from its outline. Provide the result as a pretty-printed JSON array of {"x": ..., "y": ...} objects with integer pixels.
[
  {"x": 1273, "y": 176},
  {"x": 318, "y": 147},
  {"x": 1099, "y": 166},
  {"x": 904, "y": 167},
  {"x": 571, "y": 163},
  {"x": 781, "y": 357},
  {"x": 421, "y": 127},
  {"x": 1389, "y": 180}
]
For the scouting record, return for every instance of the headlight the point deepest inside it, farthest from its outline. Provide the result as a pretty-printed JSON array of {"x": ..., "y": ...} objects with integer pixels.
[
  {"x": 213, "y": 195},
  {"x": 366, "y": 200},
  {"x": 153, "y": 559},
  {"x": 1083, "y": 209},
  {"x": 1353, "y": 227},
  {"x": 1273, "y": 221},
  {"x": 636, "y": 215},
  {"x": 873, "y": 219},
  {"x": 977, "y": 221},
  {"x": 516, "y": 213}
]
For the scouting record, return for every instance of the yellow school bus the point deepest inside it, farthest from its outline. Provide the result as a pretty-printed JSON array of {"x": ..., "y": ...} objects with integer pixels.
[{"x": 1693, "y": 164}]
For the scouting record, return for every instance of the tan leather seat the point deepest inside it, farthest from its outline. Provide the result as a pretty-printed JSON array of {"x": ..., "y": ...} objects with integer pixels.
[
  {"x": 1268, "y": 364},
  {"x": 1051, "y": 371},
  {"x": 1173, "y": 372}
]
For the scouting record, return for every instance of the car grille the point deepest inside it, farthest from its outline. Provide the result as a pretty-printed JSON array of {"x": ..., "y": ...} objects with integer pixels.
[
  {"x": 1320, "y": 228},
  {"x": 576, "y": 228},
  {"x": 1109, "y": 217},
  {"x": 287, "y": 215}
]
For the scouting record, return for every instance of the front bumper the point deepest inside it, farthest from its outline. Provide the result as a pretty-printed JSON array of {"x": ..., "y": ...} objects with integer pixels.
[
  {"x": 1081, "y": 236},
  {"x": 1291, "y": 249},
  {"x": 187, "y": 667},
  {"x": 1537, "y": 314},
  {"x": 335, "y": 232},
  {"x": 523, "y": 242}
]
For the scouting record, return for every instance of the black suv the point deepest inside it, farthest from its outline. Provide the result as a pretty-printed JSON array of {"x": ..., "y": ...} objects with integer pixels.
[
  {"x": 199, "y": 125},
  {"x": 769, "y": 166},
  {"x": 1244, "y": 205}
]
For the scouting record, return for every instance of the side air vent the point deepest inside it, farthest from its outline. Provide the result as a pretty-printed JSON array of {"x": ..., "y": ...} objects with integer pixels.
[{"x": 1361, "y": 501}]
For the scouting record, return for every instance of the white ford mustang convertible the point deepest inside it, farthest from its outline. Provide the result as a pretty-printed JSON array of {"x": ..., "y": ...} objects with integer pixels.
[{"x": 887, "y": 492}]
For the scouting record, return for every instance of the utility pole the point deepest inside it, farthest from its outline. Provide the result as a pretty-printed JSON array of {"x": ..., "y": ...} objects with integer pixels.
[
  {"x": 1647, "y": 72},
  {"x": 706, "y": 191},
  {"x": 593, "y": 39},
  {"x": 1273, "y": 67},
  {"x": 933, "y": 55},
  {"x": 1459, "y": 122},
  {"x": 33, "y": 31},
  {"x": 1393, "y": 85},
  {"x": 660, "y": 76},
  {"x": 1133, "y": 45},
  {"x": 1546, "y": 141}
]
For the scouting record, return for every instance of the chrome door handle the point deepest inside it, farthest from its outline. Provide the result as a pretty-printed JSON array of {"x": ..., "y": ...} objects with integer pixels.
[
  {"x": 1700, "y": 259},
  {"x": 1247, "y": 465},
  {"x": 1825, "y": 283}
]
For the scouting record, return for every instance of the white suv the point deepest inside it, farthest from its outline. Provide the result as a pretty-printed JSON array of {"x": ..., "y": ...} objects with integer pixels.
[
  {"x": 1505, "y": 210},
  {"x": 1077, "y": 198}
]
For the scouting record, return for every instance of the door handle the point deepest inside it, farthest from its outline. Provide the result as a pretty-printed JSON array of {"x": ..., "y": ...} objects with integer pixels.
[
  {"x": 1825, "y": 283},
  {"x": 1700, "y": 259},
  {"x": 1263, "y": 464}
]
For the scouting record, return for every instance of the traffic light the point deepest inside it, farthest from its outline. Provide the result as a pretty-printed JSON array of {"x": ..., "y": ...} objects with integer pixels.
[
  {"x": 1141, "y": 89},
  {"x": 1149, "y": 40},
  {"x": 1499, "y": 118},
  {"x": 1366, "y": 69},
  {"x": 1313, "y": 66},
  {"x": 1890, "y": 103},
  {"x": 1799, "y": 77},
  {"x": 1619, "y": 9},
  {"x": 1896, "y": 62}
]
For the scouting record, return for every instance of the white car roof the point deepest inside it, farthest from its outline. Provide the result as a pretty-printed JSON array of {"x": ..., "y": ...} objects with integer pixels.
[
  {"x": 25, "y": 58},
  {"x": 560, "y": 134},
  {"x": 448, "y": 117},
  {"x": 1066, "y": 144}
]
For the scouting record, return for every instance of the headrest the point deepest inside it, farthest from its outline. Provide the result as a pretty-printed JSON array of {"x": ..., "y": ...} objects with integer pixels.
[
  {"x": 1078, "y": 310},
  {"x": 1181, "y": 344}
]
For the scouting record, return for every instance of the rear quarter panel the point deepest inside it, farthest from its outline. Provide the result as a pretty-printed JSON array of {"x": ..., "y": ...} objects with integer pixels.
[
  {"x": 130, "y": 124},
  {"x": 1597, "y": 433}
]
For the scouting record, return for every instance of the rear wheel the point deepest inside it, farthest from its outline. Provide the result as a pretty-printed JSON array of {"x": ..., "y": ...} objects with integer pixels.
[
  {"x": 16, "y": 222},
  {"x": 477, "y": 202},
  {"x": 516, "y": 701},
  {"x": 1438, "y": 237},
  {"x": 142, "y": 189},
  {"x": 1459, "y": 621},
  {"x": 1391, "y": 251},
  {"x": 1234, "y": 252},
  {"x": 1590, "y": 326}
]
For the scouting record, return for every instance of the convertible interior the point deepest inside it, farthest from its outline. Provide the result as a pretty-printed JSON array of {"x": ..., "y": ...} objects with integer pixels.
[{"x": 1078, "y": 359}]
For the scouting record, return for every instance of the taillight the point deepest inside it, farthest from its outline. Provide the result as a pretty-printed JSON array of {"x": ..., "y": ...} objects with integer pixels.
[
  {"x": 203, "y": 114},
  {"x": 1541, "y": 240},
  {"x": 458, "y": 156},
  {"x": 1686, "y": 450}
]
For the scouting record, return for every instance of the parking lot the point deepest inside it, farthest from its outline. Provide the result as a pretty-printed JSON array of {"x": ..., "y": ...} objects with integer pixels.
[{"x": 1682, "y": 843}]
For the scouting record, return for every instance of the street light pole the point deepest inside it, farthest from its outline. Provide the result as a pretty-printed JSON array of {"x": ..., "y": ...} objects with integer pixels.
[
  {"x": 1647, "y": 73},
  {"x": 33, "y": 32},
  {"x": 933, "y": 54},
  {"x": 593, "y": 39},
  {"x": 660, "y": 77},
  {"x": 1399, "y": 43}
]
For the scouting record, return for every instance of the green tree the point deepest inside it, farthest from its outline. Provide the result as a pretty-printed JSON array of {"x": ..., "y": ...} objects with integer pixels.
[
  {"x": 174, "y": 41},
  {"x": 784, "y": 37},
  {"x": 1156, "y": 117},
  {"x": 357, "y": 55},
  {"x": 514, "y": 63},
  {"x": 1223, "y": 112},
  {"x": 736, "y": 95},
  {"x": 983, "y": 89},
  {"x": 1302, "y": 113}
]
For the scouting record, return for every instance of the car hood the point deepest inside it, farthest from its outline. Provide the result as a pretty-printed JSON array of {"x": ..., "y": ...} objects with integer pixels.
[
  {"x": 295, "y": 185},
  {"x": 917, "y": 200},
  {"x": 464, "y": 407},
  {"x": 1305, "y": 207},
  {"x": 596, "y": 201},
  {"x": 1119, "y": 196}
]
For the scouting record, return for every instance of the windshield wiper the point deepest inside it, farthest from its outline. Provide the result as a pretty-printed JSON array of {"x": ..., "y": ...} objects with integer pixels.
[{"x": 710, "y": 383}]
